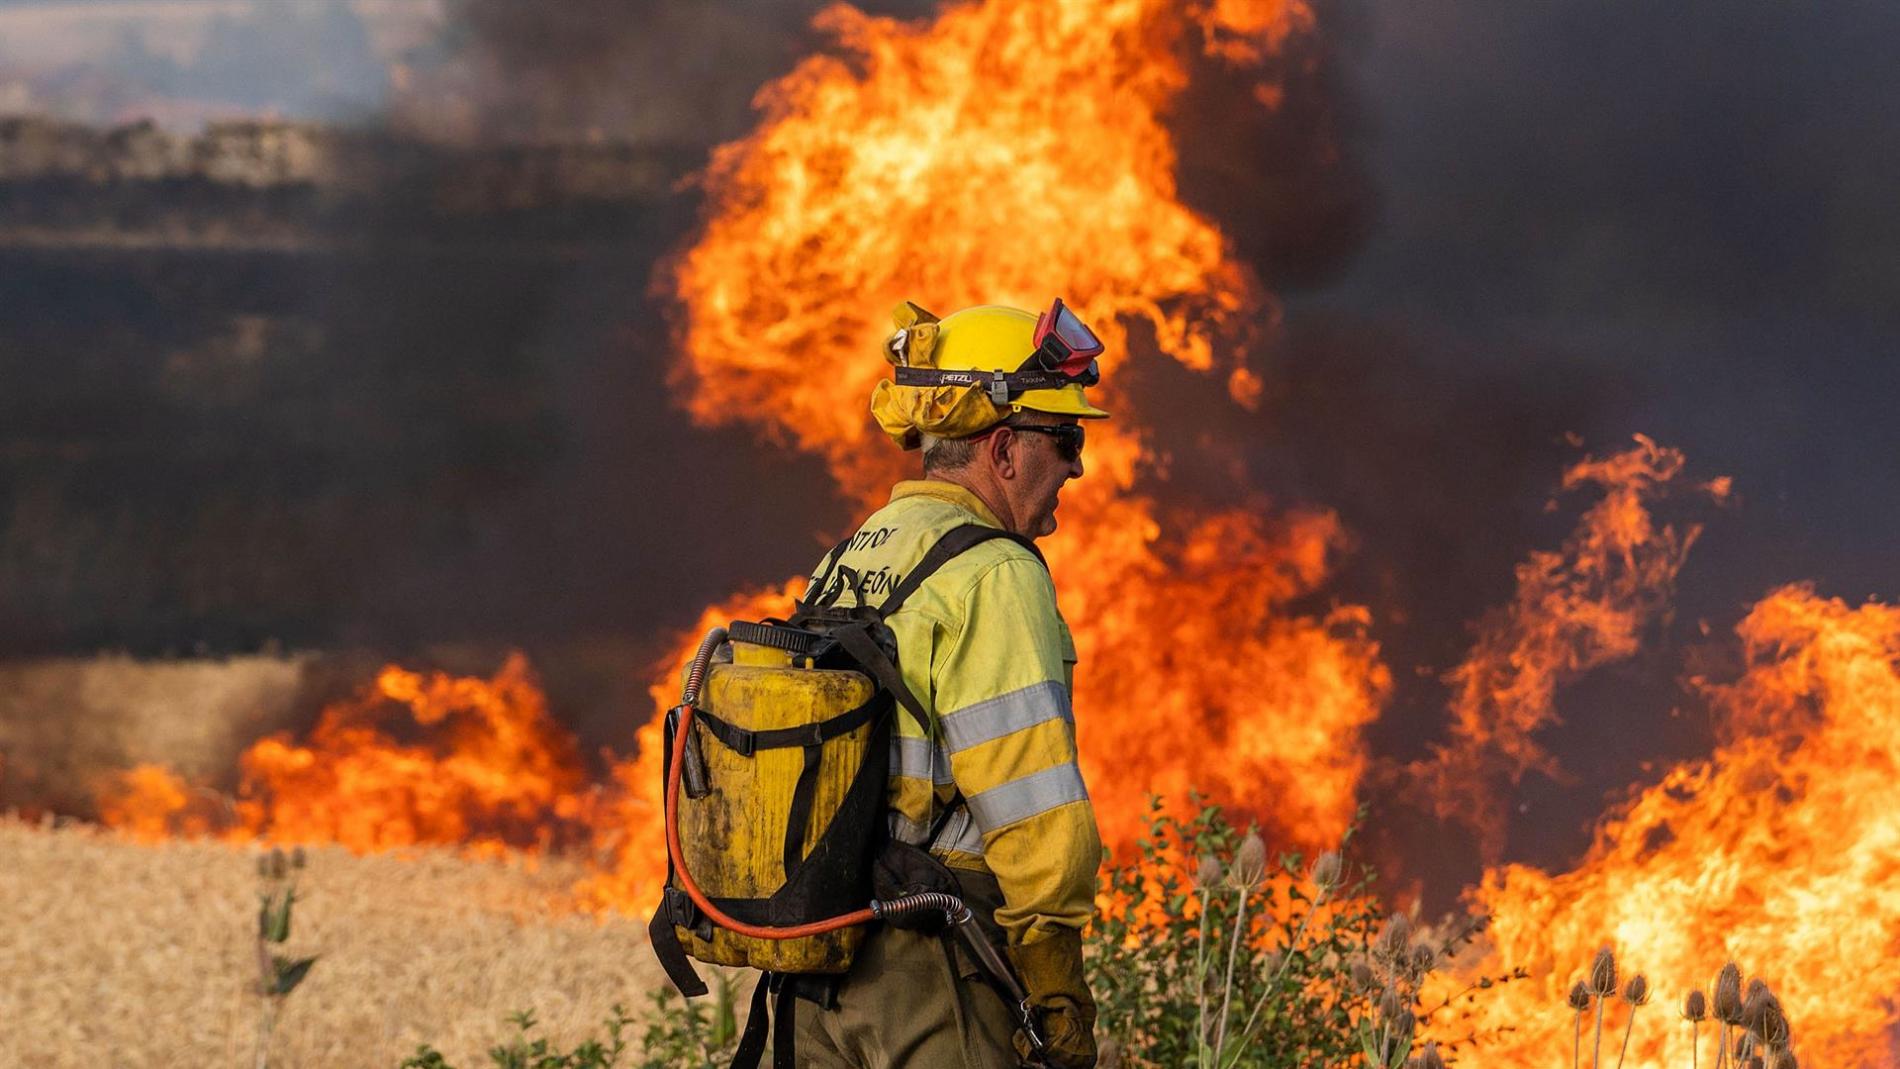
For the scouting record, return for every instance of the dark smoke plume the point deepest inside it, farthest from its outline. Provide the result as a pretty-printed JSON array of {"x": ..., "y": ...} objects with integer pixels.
[
  {"x": 680, "y": 71},
  {"x": 1276, "y": 153}
]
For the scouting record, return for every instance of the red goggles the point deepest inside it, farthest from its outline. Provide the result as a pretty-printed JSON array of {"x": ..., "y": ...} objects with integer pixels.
[{"x": 1065, "y": 346}]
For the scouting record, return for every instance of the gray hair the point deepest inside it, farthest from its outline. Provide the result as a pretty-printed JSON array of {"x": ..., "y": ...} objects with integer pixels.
[{"x": 947, "y": 454}]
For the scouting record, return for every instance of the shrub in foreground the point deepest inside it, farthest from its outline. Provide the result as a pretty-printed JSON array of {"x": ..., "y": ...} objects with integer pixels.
[
  {"x": 680, "y": 1034},
  {"x": 1208, "y": 955}
]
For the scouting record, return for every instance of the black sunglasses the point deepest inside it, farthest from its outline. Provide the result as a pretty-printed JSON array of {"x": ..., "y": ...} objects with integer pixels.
[{"x": 1069, "y": 437}]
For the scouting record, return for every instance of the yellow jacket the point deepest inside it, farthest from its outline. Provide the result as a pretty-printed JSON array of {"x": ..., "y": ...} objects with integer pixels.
[{"x": 985, "y": 651}]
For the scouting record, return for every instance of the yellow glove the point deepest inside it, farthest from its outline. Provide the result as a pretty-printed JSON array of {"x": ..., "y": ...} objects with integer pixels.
[{"x": 1051, "y": 971}]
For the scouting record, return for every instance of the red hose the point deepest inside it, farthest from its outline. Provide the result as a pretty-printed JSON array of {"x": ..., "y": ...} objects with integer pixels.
[{"x": 830, "y": 924}]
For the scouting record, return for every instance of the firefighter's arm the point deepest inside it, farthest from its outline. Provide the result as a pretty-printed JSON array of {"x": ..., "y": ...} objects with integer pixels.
[{"x": 1001, "y": 694}]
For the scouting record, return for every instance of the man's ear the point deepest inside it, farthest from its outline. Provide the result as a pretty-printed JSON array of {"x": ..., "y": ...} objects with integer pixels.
[{"x": 1002, "y": 447}]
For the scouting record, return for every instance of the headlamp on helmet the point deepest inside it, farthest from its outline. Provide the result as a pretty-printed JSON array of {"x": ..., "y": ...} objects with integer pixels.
[{"x": 1064, "y": 355}]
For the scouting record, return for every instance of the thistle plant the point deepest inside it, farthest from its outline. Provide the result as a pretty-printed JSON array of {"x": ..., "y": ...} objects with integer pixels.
[
  {"x": 1602, "y": 986},
  {"x": 277, "y": 974},
  {"x": 1211, "y": 953},
  {"x": 1752, "y": 1029},
  {"x": 1579, "y": 1005},
  {"x": 1728, "y": 1008},
  {"x": 1695, "y": 1010},
  {"x": 1636, "y": 993}
]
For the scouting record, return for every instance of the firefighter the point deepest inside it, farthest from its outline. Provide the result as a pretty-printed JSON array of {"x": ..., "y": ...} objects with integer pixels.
[{"x": 993, "y": 397}]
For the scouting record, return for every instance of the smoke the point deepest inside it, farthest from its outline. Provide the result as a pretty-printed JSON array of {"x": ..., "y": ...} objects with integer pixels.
[
  {"x": 674, "y": 71},
  {"x": 1277, "y": 154},
  {"x": 67, "y": 724},
  {"x": 450, "y": 426},
  {"x": 1604, "y": 221}
]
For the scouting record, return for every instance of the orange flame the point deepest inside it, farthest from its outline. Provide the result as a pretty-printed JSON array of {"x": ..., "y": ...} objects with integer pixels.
[
  {"x": 417, "y": 759},
  {"x": 1010, "y": 153},
  {"x": 1583, "y": 606},
  {"x": 151, "y": 803},
  {"x": 1004, "y": 153},
  {"x": 1778, "y": 852}
]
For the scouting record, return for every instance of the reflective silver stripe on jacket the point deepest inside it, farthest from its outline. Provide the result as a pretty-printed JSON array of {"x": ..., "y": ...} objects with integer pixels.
[
  {"x": 911, "y": 757},
  {"x": 1006, "y": 714},
  {"x": 960, "y": 833},
  {"x": 1032, "y": 794}
]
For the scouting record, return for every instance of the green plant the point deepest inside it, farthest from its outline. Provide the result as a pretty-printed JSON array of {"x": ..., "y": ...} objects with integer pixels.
[
  {"x": 523, "y": 1051},
  {"x": 686, "y": 1033},
  {"x": 1208, "y": 956},
  {"x": 680, "y": 1034},
  {"x": 277, "y": 974}
]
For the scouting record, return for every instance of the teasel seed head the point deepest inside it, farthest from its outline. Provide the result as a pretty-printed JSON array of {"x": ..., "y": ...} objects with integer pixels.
[
  {"x": 1429, "y": 1058},
  {"x": 1755, "y": 1062},
  {"x": 1728, "y": 994},
  {"x": 297, "y": 858},
  {"x": 1773, "y": 1028},
  {"x": 1783, "y": 1059},
  {"x": 1755, "y": 1006},
  {"x": 1603, "y": 973},
  {"x": 1636, "y": 992},
  {"x": 1390, "y": 1005},
  {"x": 1250, "y": 863},
  {"x": 1695, "y": 1007},
  {"x": 1423, "y": 958},
  {"x": 1208, "y": 873},
  {"x": 1403, "y": 1025},
  {"x": 277, "y": 862},
  {"x": 1580, "y": 996},
  {"x": 1327, "y": 872},
  {"x": 1395, "y": 937},
  {"x": 1363, "y": 976}
]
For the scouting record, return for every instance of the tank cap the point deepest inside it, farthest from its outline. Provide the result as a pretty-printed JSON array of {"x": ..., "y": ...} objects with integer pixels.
[{"x": 776, "y": 636}]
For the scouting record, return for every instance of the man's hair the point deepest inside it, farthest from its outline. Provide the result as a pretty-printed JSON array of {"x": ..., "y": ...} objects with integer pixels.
[{"x": 949, "y": 454}]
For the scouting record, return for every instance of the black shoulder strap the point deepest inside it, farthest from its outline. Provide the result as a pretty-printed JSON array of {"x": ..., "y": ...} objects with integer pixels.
[
  {"x": 864, "y": 649},
  {"x": 954, "y": 542},
  {"x": 857, "y": 641},
  {"x": 815, "y": 594}
]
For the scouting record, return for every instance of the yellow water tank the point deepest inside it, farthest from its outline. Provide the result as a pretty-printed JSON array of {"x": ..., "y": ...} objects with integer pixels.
[{"x": 733, "y": 839}]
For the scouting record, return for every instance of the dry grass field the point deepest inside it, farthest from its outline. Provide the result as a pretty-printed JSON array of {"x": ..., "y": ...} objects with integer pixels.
[{"x": 118, "y": 954}]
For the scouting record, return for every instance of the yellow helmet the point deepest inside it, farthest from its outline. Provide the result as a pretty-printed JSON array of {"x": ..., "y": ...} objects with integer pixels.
[{"x": 963, "y": 374}]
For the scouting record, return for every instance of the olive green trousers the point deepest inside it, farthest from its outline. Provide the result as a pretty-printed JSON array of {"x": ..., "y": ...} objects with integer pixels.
[{"x": 909, "y": 1002}]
